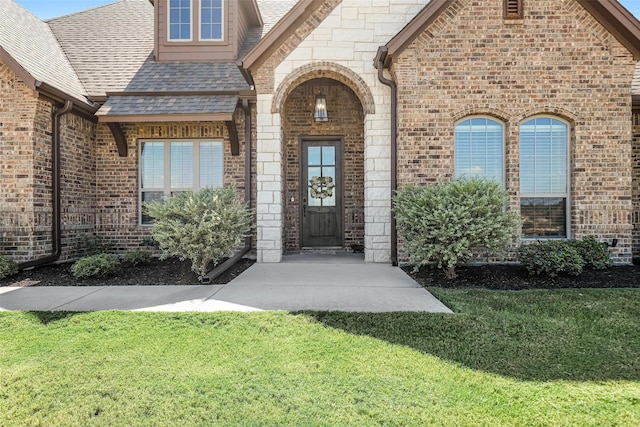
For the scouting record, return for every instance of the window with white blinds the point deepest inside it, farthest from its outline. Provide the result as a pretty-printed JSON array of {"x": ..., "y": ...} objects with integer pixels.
[
  {"x": 544, "y": 177},
  {"x": 479, "y": 146},
  {"x": 168, "y": 167}
]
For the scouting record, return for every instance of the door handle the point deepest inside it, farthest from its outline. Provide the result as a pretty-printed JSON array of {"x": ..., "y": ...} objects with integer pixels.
[{"x": 304, "y": 207}]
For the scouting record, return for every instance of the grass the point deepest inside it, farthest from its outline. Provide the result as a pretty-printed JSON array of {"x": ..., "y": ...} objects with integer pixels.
[{"x": 509, "y": 358}]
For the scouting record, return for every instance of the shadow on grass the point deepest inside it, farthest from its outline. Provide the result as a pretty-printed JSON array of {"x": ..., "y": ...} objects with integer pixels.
[
  {"x": 47, "y": 317},
  {"x": 545, "y": 351}
]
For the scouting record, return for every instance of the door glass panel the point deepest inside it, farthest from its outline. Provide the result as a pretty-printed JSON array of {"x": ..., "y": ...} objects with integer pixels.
[
  {"x": 329, "y": 155},
  {"x": 313, "y": 156},
  {"x": 314, "y": 172},
  {"x": 313, "y": 201},
  {"x": 321, "y": 176},
  {"x": 330, "y": 172}
]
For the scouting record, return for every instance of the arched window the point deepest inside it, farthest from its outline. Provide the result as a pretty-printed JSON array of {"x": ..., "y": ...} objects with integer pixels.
[
  {"x": 479, "y": 143},
  {"x": 544, "y": 177}
]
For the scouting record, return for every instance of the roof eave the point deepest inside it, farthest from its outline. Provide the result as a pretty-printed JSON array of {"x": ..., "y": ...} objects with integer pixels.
[
  {"x": 169, "y": 117},
  {"x": 610, "y": 13},
  {"x": 618, "y": 20},
  {"x": 416, "y": 26},
  {"x": 18, "y": 69},
  {"x": 280, "y": 32},
  {"x": 83, "y": 106},
  {"x": 256, "y": 10}
]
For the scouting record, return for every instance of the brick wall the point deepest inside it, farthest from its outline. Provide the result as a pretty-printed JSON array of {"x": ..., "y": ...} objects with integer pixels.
[
  {"x": 25, "y": 173},
  {"x": 559, "y": 61},
  {"x": 635, "y": 160},
  {"x": 117, "y": 204},
  {"x": 346, "y": 121},
  {"x": 77, "y": 181}
]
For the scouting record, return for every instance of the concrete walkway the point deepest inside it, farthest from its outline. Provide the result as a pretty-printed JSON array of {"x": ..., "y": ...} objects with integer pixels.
[{"x": 341, "y": 282}]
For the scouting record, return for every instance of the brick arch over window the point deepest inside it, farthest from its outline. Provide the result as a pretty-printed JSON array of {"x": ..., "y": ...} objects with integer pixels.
[
  {"x": 329, "y": 70},
  {"x": 472, "y": 111},
  {"x": 548, "y": 110}
]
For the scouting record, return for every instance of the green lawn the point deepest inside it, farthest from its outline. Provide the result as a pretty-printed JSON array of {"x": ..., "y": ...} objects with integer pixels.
[{"x": 547, "y": 358}]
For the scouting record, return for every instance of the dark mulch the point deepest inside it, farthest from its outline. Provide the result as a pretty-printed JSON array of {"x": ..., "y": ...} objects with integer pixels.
[
  {"x": 515, "y": 277},
  {"x": 171, "y": 271}
]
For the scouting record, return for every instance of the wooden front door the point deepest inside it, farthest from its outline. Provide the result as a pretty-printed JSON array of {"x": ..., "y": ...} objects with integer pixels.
[{"x": 321, "y": 186}]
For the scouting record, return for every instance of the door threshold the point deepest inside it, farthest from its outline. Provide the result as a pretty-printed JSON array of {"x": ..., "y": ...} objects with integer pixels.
[{"x": 322, "y": 250}]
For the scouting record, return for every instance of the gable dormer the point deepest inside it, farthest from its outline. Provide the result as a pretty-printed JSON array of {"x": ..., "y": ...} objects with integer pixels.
[{"x": 202, "y": 30}]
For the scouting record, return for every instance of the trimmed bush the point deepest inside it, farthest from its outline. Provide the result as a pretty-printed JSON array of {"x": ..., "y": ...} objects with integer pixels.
[
  {"x": 95, "y": 266},
  {"x": 595, "y": 254},
  {"x": 137, "y": 257},
  {"x": 551, "y": 258},
  {"x": 204, "y": 226},
  {"x": 90, "y": 244},
  {"x": 8, "y": 267},
  {"x": 445, "y": 223}
]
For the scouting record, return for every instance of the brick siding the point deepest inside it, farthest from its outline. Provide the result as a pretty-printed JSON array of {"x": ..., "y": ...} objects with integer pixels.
[
  {"x": 557, "y": 61},
  {"x": 635, "y": 161},
  {"x": 25, "y": 173},
  {"x": 117, "y": 204}
]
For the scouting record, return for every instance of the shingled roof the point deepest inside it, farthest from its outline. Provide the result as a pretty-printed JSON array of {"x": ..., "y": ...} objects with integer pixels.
[
  {"x": 140, "y": 106},
  {"x": 271, "y": 11},
  {"x": 187, "y": 77},
  {"x": 29, "y": 43},
  {"x": 107, "y": 45}
]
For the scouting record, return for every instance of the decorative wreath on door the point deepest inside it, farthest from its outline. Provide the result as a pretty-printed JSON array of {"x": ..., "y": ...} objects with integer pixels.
[{"x": 321, "y": 187}]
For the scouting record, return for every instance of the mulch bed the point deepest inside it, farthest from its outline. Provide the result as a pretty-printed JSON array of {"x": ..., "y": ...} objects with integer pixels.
[
  {"x": 171, "y": 271},
  {"x": 492, "y": 276},
  {"x": 515, "y": 277}
]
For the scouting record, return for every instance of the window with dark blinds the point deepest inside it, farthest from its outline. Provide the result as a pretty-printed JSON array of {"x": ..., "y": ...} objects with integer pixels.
[{"x": 513, "y": 9}]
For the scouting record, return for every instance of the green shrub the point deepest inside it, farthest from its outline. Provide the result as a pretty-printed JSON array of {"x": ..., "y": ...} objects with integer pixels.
[
  {"x": 90, "y": 244},
  {"x": 95, "y": 266},
  {"x": 551, "y": 258},
  {"x": 595, "y": 254},
  {"x": 203, "y": 226},
  {"x": 445, "y": 223},
  {"x": 8, "y": 267},
  {"x": 137, "y": 257}
]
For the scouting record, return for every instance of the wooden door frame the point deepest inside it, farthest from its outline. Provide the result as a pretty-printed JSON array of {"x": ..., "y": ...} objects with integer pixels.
[{"x": 339, "y": 139}]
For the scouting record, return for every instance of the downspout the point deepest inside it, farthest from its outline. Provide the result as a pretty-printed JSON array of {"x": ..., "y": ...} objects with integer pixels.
[
  {"x": 381, "y": 57},
  {"x": 247, "y": 196},
  {"x": 56, "y": 226}
]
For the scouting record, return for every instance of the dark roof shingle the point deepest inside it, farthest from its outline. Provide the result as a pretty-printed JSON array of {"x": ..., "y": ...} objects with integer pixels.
[
  {"x": 187, "y": 77},
  {"x": 107, "y": 45},
  {"x": 168, "y": 104},
  {"x": 30, "y": 42}
]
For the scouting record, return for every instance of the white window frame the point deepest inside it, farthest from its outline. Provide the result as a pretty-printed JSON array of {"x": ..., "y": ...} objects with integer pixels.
[
  {"x": 566, "y": 196},
  {"x": 222, "y": 22},
  {"x": 190, "y": 23},
  {"x": 504, "y": 129},
  {"x": 166, "y": 189}
]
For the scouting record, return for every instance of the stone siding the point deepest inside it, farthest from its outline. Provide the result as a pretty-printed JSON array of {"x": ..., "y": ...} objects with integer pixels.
[
  {"x": 340, "y": 35},
  {"x": 557, "y": 61}
]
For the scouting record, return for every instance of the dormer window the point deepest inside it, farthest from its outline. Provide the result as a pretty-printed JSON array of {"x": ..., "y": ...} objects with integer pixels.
[
  {"x": 513, "y": 9},
  {"x": 211, "y": 20},
  {"x": 179, "y": 20}
]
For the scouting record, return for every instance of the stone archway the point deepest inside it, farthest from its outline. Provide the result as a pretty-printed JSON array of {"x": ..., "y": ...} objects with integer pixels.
[
  {"x": 345, "y": 131},
  {"x": 324, "y": 69}
]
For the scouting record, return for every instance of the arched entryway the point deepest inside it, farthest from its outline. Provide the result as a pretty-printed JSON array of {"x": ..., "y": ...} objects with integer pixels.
[{"x": 323, "y": 166}]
